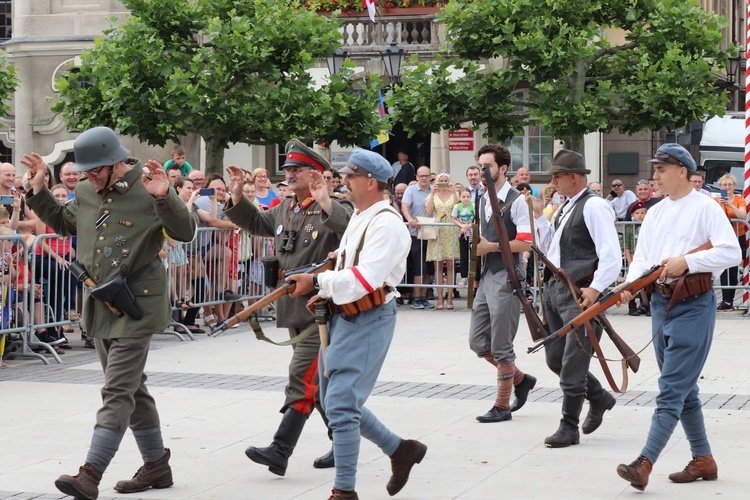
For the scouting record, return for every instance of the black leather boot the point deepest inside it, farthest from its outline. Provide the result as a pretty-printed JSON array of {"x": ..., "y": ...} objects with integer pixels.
[
  {"x": 597, "y": 407},
  {"x": 567, "y": 433},
  {"x": 276, "y": 455},
  {"x": 326, "y": 461},
  {"x": 522, "y": 392}
]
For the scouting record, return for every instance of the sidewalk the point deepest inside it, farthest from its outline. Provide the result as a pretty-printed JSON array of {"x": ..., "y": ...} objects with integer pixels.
[{"x": 219, "y": 395}]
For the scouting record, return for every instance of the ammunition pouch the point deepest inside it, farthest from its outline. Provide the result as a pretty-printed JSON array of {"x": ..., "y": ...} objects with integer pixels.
[
  {"x": 693, "y": 285},
  {"x": 270, "y": 271},
  {"x": 372, "y": 299}
]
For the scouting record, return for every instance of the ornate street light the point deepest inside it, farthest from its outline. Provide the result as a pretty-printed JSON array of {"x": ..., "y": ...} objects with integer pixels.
[
  {"x": 393, "y": 57},
  {"x": 733, "y": 68},
  {"x": 336, "y": 61}
]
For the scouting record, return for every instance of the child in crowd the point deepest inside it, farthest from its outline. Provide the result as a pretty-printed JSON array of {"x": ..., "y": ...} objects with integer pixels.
[
  {"x": 637, "y": 213},
  {"x": 178, "y": 158},
  {"x": 463, "y": 217}
]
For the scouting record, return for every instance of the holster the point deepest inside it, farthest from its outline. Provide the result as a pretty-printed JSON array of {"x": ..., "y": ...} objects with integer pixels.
[
  {"x": 117, "y": 293},
  {"x": 271, "y": 270}
]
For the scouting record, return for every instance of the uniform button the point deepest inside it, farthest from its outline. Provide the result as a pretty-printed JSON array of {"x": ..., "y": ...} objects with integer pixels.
[
  {"x": 96, "y": 265},
  {"x": 101, "y": 238},
  {"x": 106, "y": 211},
  {"x": 98, "y": 251},
  {"x": 109, "y": 200},
  {"x": 96, "y": 278},
  {"x": 145, "y": 291},
  {"x": 104, "y": 225}
]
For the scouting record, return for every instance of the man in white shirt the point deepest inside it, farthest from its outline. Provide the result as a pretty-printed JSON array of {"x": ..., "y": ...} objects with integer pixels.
[
  {"x": 620, "y": 199},
  {"x": 671, "y": 231},
  {"x": 586, "y": 246},
  {"x": 413, "y": 205},
  {"x": 371, "y": 260}
]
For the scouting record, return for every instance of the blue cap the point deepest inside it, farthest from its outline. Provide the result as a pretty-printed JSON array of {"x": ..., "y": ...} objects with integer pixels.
[
  {"x": 363, "y": 162},
  {"x": 676, "y": 155}
]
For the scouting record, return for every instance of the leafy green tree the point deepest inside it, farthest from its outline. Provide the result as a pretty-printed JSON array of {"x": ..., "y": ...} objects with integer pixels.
[
  {"x": 8, "y": 83},
  {"x": 229, "y": 70},
  {"x": 659, "y": 72}
]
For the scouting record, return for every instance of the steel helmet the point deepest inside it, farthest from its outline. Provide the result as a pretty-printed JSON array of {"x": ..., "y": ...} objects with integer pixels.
[{"x": 96, "y": 147}]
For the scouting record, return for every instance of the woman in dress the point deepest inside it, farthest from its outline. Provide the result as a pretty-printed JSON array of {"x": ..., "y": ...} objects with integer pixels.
[{"x": 444, "y": 249}]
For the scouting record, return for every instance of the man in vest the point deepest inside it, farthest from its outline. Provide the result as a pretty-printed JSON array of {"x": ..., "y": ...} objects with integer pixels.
[
  {"x": 496, "y": 312},
  {"x": 584, "y": 233}
]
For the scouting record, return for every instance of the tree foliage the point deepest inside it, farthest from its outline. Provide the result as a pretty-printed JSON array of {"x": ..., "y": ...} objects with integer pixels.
[
  {"x": 662, "y": 72},
  {"x": 8, "y": 83},
  {"x": 229, "y": 70}
]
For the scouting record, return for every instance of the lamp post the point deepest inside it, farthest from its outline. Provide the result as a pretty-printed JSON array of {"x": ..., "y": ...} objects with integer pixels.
[
  {"x": 393, "y": 57},
  {"x": 733, "y": 67},
  {"x": 336, "y": 61}
]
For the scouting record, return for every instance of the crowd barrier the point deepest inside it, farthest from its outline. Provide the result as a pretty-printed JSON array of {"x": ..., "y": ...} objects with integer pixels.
[{"x": 218, "y": 268}]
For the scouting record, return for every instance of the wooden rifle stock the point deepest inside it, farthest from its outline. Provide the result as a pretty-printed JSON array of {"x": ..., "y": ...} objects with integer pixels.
[
  {"x": 609, "y": 300},
  {"x": 285, "y": 288},
  {"x": 537, "y": 328},
  {"x": 634, "y": 362}
]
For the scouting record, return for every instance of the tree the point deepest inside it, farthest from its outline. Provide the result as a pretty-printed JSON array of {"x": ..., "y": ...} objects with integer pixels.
[
  {"x": 579, "y": 78},
  {"x": 229, "y": 70},
  {"x": 8, "y": 83}
]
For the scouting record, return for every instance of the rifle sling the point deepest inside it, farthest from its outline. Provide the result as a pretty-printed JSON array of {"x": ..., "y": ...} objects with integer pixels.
[{"x": 306, "y": 332}]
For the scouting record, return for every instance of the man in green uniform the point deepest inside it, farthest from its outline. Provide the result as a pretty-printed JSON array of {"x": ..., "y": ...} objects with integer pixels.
[
  {"x": 123, "y": 212},
  {"x": 305, "y": 228}
]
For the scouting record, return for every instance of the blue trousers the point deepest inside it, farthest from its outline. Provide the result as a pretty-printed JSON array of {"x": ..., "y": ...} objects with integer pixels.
[
  {"x": 681, "y": 349},
  {"x": 357, "y": 350}
]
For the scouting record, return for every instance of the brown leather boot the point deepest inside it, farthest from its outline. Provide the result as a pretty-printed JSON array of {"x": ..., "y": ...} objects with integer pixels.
[
  {"x": 408, "y": 453},
  {"x": 151, "y": 475},
  {"x": 698, "y": 468},
  {"x": 343, "y": 495},
  {"x": 636, "y": 473},
  {"x": 84, "y": 485}
]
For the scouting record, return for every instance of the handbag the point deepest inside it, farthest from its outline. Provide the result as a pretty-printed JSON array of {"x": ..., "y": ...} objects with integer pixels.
[{"x": 426, "y": 232}]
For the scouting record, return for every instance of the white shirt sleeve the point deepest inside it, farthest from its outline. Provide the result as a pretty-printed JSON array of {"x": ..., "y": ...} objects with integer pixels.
[{"x": 599, "y": 218}]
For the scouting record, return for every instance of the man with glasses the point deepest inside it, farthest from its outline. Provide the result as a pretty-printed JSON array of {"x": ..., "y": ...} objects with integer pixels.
[
  {"x": 305, "y": 228},
  {"x": 696, "y": 180},
  {"x": 413, "y": 205},
  {"x": 124, "y": 211},
  {"x": 643, "y": 194},
  {"x": 620, "y": 199}
]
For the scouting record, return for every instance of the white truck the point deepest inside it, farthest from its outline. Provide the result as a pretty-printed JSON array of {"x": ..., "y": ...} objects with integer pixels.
[{"x": 722, "y": 149}]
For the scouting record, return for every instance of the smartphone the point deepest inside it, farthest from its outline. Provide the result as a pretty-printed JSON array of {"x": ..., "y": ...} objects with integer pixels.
[
  {"x": 206, "y": 192},
  {"x": 724, "y": 193},
  {"x": 6, "y": 200},
  {"x": 558, "y": 199}
]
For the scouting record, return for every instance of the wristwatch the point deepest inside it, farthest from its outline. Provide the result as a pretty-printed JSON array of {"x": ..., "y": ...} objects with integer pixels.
[{"x": 315, "y": 282}]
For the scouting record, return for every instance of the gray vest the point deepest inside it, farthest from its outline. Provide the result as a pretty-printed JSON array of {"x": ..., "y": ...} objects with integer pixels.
[
  {"x": 493, "y": 261},
  {"x": 577, "y": 249}
]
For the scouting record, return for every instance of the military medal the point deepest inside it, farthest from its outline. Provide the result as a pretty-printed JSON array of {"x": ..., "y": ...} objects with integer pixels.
[
  {"x": 101, "y": 220},
  {"x": 120, "y": 240},
  {"x": 309, "y": 228},
  {"x": 314, "y": 234},
  {"x": 125, "y": 252},
  {"x": 122, "y": 184},
  {"x": 107, "y": 251},
  {"x": 279, "y": 229},
  {"x": 115, "y": 262}
]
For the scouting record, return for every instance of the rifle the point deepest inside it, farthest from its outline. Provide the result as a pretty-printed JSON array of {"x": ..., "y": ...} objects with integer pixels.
[
  {"x": 286, "y": 288},
  {"x": 628, "y": 355},
  {"x": 516, "y": 279},
  {"x": 608, "y": 301},
  {"x": 473, "y": 254}
]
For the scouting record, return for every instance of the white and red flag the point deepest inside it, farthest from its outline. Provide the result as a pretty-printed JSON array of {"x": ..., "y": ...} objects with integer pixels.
[{"x": 370, "y": 4}]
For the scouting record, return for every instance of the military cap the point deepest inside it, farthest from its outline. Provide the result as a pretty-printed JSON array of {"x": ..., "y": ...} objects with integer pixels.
[
  {"x": 299, "y": 155},
  {"x": 567, "y": 161},
  {"x": 637, "y": 206},
  {"x": 363, "y": 162},
  {"x": 674, "y": 154}
]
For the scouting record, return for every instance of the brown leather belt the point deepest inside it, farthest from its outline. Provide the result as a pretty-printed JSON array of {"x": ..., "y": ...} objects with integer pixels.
[
  {"x": 372, "y": 299},
  {"x": 694, "y": 285}
]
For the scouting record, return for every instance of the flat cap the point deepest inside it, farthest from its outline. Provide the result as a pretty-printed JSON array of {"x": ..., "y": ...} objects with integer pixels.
[
  {"x": 299, "y": 155},
  {"x": 363, "y": 162},
  {"x": 568, "y": 161},
  {"x": 674, "y": 154}
]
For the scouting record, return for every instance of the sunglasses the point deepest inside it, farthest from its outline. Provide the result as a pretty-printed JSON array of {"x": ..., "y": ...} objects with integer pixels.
[
  {"x": 616, "y": 185},
  {"x": 641, "y": 183}
]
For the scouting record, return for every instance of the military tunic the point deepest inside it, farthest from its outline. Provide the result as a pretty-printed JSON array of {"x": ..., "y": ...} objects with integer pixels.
[
  {"x": 130, "y": 235},
  {"x": 318, "y": 234}
]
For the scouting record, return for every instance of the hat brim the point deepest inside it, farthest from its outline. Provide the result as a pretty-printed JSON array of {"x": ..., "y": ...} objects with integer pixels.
[
  {"x": 119, "y": 156},
  {"x": 670, "y": 162},
  {"x": 346, "y": 169},
  {"x": 557, "y": 169}
]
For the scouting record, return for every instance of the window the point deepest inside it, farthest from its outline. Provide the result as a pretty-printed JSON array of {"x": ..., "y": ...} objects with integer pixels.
[
  {"x": 6, "y": 20},
  {"x": 533, "y": 149},
  {"x": 6, "y": 155}
]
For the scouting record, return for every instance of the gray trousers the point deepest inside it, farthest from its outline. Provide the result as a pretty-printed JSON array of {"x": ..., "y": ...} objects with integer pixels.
[
  {"x": 126, "y": 401},
  {"x": 494, "y": 318},
  {"x": 564, "y": 356}
]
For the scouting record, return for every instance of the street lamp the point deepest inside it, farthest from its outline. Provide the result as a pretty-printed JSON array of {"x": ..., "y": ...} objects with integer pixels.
[
  {"x": 393, "y": 57},
  {"x": 336, "y": 61},
  {"x": 733, "y": 68}
]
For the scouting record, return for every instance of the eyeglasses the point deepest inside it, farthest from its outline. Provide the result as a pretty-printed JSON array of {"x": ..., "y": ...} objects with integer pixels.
[
  {"x": 423, "y": 176},
  {"x": 616, "y": 185},
  {"x": 96, "y": 171},
  {"x": 641, "y": 183}
]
